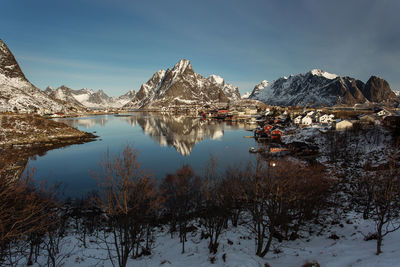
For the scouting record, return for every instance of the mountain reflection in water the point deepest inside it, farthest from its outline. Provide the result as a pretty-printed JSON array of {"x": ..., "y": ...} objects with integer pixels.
[
  {"x": 180, "y": 132},
  {"x": 163, "y": 142}
]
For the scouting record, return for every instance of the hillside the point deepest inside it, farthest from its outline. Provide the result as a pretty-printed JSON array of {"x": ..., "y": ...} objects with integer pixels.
[{"x": 17, "y": 93}]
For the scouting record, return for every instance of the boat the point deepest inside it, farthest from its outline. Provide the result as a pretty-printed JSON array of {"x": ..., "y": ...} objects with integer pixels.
[{"x": 253, "y": 150}]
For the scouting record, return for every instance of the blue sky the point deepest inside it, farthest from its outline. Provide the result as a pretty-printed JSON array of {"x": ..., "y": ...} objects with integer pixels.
[{"x": 117, "y": 45}]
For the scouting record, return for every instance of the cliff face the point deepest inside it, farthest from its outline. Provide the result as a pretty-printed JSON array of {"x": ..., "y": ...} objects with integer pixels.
[{"x": 378, "y": 90}]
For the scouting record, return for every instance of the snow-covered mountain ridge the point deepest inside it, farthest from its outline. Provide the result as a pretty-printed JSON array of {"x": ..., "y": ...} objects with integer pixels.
[
  {"x": 88, "y": 98},
  {"x": 320, "y": 88},
  {"x": 181, "y": 86},
  {"x": 16, "y": 92}
]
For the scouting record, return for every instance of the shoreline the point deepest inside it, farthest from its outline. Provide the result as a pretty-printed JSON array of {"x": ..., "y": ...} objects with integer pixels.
[{"x": 24, "y": 136}]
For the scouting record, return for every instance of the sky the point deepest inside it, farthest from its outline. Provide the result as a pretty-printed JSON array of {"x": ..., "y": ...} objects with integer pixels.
[{"x": 117, "y": 45}]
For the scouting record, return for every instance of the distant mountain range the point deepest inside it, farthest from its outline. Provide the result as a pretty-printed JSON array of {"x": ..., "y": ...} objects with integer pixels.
[
  {"x": 320, "y": 88},
  {"x": 88, "y": 98},
  {"x": 182, "y": 86}
]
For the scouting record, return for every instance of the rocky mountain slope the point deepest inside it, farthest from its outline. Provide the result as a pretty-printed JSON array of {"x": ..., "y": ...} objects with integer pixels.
[
  {"x": 230, "y": 91},
  {"x": 88, "y": 98},
  {"x": 181, "y": 86},
  {"x": 17, "y": 93},
  {"x": 378, "y": 90},
  {"x": 64, "y": 94},
  {"x": 319, "y": 88}
]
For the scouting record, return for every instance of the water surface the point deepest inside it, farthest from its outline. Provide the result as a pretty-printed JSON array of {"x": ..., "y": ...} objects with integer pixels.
[{"x": 163, "y": 143}]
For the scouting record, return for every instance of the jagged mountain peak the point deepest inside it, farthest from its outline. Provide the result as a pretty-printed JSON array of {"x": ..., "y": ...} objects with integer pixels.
[
  {"x": 231, "y": 91},
  {"x": 16, "y": 92},
  {"x": 378, "y": 90},
  {"x": 8, "y": 64},
  {"x": 179, "y": 86},
  {"x": 216, "y": 79},
  {"x": 264, "y": 83},
  {"x": 181, "y": 66},
  {"x": 321, "y": 73}
]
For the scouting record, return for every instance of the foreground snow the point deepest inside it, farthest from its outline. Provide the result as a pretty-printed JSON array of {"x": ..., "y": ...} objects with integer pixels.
[{"x": 239, "y": 249}]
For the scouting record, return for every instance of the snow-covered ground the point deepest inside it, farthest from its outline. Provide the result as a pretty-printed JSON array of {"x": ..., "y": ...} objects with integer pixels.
[{"x": 238, "y": 248}]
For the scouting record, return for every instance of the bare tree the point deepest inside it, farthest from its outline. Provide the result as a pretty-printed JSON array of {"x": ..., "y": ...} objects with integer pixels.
[
  {"x": 128, "y": 198},
  {"x": 278, "y": 196},
  {"x": 23, "y": 210},
  {"x": 181, "y": 191},
  {"x": 377, "y": 195},
  {"x": 212, "y": 212}
]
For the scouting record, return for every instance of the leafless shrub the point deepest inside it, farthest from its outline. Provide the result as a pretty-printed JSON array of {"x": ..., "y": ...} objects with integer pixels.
[{"x": 129, "y": 200}]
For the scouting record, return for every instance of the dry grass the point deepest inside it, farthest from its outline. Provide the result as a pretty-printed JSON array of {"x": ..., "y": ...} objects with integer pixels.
[{"x": 27, "y": 129}]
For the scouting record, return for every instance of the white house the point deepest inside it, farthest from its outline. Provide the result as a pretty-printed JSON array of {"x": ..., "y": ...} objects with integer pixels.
[
  {"x": 306, "y": 120},
  {"x": 326, "y": 118},
  {"x": 250, "y": 111},
  {"x": 309, "y": 114},
  {"x": 297, "y": 120},
  {"x": 383, "y": 113},
  {"x": 341, "y": 125}
]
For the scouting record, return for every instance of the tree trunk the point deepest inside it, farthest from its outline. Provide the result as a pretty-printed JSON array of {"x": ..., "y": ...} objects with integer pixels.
[
  {"x": 379, "y": 239},
  {"x": 267, "y": 247},
  {"x": 260, "y": 239},
  {"x": 31, "y": 248}
]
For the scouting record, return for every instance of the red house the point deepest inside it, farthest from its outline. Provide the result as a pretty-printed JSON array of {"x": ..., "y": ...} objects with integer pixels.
[
  {"x": 276, "y": 134},
  {"x": 267, "y": 128}
]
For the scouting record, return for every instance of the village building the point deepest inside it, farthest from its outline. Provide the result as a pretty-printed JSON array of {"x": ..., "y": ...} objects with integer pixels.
[
  {"x": 383, "y": 113},
  {"x": 341, "y": 125},
  {"x": 306, "y": 120},
  {"x": 327, "y": 118},
  {"x": 250, "y": 111},
  {"x": 311, "y": 113},
  {"x": 297, "y": 120}
]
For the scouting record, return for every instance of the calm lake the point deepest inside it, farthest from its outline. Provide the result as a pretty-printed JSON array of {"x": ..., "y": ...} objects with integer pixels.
[{"x": 163, "y": 142}]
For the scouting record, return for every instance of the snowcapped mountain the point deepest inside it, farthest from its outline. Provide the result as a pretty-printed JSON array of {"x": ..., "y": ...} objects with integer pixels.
[
  {"x": 178, "y": 86},
  {"x": 88, "y": 98},
  {"x": 231, "y": 91},
  {"x": 16, "y": 92},
  {"x": 257, "y": 89},
  {"x": 65, "y": 95},
  {"x": 246, "y": 95},
  {"x": 124, "y": 99},
  {"x": 320, "y": 88}
]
